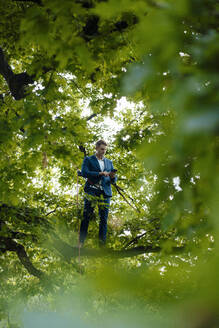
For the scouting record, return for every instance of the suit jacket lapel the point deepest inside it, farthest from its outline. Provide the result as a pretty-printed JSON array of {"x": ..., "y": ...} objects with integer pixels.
[
  {"x": 104, "y": 163},
  {"x": 97, "y": 163}
]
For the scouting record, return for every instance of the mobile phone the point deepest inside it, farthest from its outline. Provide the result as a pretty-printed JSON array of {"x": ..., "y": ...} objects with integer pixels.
[{"x": 114, "y": 170}]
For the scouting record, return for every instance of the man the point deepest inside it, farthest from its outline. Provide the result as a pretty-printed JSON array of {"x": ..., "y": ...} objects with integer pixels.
[{"x": 98, "y": 171}]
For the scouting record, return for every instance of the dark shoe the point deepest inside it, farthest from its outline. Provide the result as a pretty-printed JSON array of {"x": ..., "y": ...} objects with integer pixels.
[{"x": 102, "y": 244}]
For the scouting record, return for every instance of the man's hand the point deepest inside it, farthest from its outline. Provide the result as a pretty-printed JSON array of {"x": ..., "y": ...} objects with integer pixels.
[
  {"x": 105, "y": 173},
  {"x": 112, "y": 174}
]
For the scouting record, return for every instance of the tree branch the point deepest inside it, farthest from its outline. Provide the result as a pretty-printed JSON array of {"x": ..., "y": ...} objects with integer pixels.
[
  {"x": 83, "y": 150},
  {"x": 135, "y": 239},
  {"x": 39, "y": 2},
  {"x": 91, "y": 116},
  {"x": 8, "y": 244},
  {"x": 69, "y": 252},
  {"x": 119, "y": 191},
  {"x": 16, "y": 82}
]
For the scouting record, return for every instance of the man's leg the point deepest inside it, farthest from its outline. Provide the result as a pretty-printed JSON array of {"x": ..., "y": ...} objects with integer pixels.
[
  {"x": 88, "y": 211},
  {"x": 103, "y": 208}
]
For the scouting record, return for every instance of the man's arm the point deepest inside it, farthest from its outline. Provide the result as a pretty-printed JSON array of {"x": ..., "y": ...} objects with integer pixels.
[{"x": 86, "y": 173}]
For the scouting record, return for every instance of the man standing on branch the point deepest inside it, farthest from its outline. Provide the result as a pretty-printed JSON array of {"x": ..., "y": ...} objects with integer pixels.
[{"x": 100, "y": 174}]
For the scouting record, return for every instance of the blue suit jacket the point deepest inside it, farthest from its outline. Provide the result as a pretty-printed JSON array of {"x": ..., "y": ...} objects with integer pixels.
[{"x": 91, "y": 168}]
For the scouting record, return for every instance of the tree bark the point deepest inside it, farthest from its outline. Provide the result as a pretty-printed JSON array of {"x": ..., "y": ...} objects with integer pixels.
[
  {"x": 8, "y": 244},
  {"x": 38, "y": 2},
  {"x": 69, "y": 252},
  {"x": 16, "y": 82}
]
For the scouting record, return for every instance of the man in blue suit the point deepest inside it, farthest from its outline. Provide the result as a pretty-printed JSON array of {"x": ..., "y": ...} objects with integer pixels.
[{"x": 98, "y": 171}]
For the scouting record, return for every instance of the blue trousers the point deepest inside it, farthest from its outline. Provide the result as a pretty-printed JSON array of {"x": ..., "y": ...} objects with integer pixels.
[{"x": 96, "y": 196}]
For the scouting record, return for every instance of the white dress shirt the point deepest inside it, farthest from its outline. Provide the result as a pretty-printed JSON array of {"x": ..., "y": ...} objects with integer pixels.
[{"x": 101, "y": 162}]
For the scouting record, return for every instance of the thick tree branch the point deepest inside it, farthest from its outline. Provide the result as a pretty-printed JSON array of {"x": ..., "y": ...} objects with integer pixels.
[
  {"x": 8, "y": 244},
  {"x": 39, "y": 2},
  {"x": 69, "y": 252},
  {"x": 155, "y": 4},
  {"x": 16, "y": 82}
]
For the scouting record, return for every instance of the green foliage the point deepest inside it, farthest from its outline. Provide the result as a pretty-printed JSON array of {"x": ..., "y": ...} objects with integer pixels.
[{"x": 163, "y": 57}]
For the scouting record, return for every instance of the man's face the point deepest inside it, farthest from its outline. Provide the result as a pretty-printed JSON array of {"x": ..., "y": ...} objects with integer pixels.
[{"x": 101, "y": 150}]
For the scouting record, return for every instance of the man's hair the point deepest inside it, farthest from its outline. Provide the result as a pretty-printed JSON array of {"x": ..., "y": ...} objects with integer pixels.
[{"x": 100, "y": 142}]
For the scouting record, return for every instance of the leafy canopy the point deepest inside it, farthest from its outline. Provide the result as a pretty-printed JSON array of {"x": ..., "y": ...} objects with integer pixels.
[{"x": 64, "y": 68}]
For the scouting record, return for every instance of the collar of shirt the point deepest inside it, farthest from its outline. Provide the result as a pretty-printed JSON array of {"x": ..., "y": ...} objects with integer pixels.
[{"x": 99, "y": 158}]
